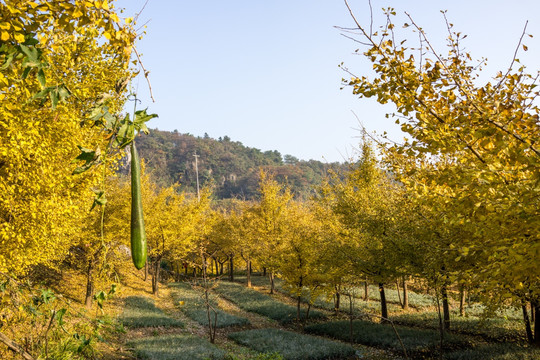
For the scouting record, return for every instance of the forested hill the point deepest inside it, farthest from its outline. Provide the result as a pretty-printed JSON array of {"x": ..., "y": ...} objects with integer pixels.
[{"x": 233, "y": 167}]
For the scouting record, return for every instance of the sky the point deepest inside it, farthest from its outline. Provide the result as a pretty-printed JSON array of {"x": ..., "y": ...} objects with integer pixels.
[{"x": 265, "y": 72}]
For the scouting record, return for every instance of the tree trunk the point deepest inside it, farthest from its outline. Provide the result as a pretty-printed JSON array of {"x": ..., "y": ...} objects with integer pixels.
[
  {"x": 441, "y": 327},
  {"x": 399, "y": 294},
  {"x": 264, "y": 271},
  {"x": 462, "y": 300},
  {"x": 446, "y": 308},
  {"x": 366, "y": 290},
  {"x": 271, "y": 275},
  {"x": 146, "y": 270},
  {"x": 307, "y": 316},
  {"x": 89, "y": 284},
  {"x": 231, "y": 268},
  {"x": 533, "y": 315},
  {"x": 405, "y": 294},
  {"x": 155, "y": 276},
  {"x": 248, "y": 269},
  {"x": 299, "y": 299},
  {"x": 536, "y": 324},
  {"x": 220, "y": 268},
  {"x": 384, "y": 308},
  {"x": 351, "y": 319},
  {"x": 528, "y": 329},
  {"x": 336, "y": 303}
]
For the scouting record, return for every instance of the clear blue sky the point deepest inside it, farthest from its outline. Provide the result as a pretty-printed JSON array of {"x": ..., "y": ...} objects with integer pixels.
[{"x": 266, "y": 73}]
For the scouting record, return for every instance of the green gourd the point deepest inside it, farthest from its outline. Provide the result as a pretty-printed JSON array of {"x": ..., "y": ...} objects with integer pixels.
[{"x": 138, "y": 235}]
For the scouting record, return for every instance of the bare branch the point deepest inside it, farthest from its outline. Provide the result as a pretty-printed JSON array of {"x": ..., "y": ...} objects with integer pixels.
[
  {"x": 353, "y": 39},
  {"x": 145, "y": 72},
  {"x": 13, "y": 346},
  {"x": 140, "y": 12},
  {"x": 371, "y": 19},
  {"x": 514, "y": 58},
  {"x": 365, "y": 132}
]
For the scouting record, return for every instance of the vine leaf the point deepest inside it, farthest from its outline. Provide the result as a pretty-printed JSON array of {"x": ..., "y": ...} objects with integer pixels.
[
  {"x": 90, "y": 158},
  {"x": 99, "y": 199}
]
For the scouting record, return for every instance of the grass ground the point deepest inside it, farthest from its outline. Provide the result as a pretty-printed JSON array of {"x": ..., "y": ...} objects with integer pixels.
[
  {"x": 159, "y": 340},
  {"x": 504, "y": 326},
  {"x": 416, "y": 300},
  {"x": 417, "y": 342},
  {"x": 176, "y": 347},
  {"x": 262, "y": 304},
  {"x": 192, "y": 303},
  {"x": 422, "y": 343},
  {"x": 175, "y": 343},
  {"x": 291, "y": 345},
  {"x": 140, "y": 311},
  {"x": 495, "y": 329}
]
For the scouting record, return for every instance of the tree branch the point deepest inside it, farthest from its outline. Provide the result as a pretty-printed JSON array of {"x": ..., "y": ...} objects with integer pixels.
[
  {"x": 13, "y": 346},
  {"x": 145, "y": 72}
]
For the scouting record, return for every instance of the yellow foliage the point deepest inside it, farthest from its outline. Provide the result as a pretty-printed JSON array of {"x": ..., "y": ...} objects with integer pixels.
[{"x": 42, "y": 205}]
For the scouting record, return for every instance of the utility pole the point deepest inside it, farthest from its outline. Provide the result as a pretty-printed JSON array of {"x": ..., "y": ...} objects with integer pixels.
[{"x": 197, "y": 172}]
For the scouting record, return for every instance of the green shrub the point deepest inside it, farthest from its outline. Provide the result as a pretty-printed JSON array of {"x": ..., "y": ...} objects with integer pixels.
[
  {"x": 251, "y": 300},
  {"x": 291, "y": 345},
  {"x": 176, "y": 347},
  {"x": 194, "y": 306},
  {"x": 140, "y": 311}
]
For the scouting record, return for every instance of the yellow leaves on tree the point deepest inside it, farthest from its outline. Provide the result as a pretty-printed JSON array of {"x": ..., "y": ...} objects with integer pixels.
[
  {"x": 471, "y": 152},
  {"x": 55, "y": 68}
]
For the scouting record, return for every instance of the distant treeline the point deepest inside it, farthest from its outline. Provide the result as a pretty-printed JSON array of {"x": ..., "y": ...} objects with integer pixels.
[{"x": 233, "y": 167}]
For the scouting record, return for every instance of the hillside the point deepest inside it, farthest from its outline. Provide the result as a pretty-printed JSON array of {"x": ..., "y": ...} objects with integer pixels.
[{"x": 232, "y": 166}]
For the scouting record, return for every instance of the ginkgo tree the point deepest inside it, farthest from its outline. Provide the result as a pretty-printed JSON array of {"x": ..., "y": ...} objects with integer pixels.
[
  {"x": 270, "y": 217},
  {"x": 58, "y": 61},
  {"x": 365, "y": 202},
  {"x": 474, "y": 141},
  {"x": 64, "y": 70}
]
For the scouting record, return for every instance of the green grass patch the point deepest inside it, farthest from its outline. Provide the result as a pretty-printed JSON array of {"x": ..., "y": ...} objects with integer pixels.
[
  {"x": 259, "y": 280},
  {"x": 140, "y": 311},
  {"x": 495, "y": 352},
  {"x": 194, "y": 306},
  {"x": 359, "y": 306},
  {"x": 176, "y": 347},
  {"x": 292, "y": 346},
  {"x": 416, "y": 300},
  {"x": 251, "y": 300},
  {"x": 498, "y": 329},
  {"x": 418, "y": 342},
  {"x": 478, "y": 310},
  {"x": 323, "y": 302}
]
